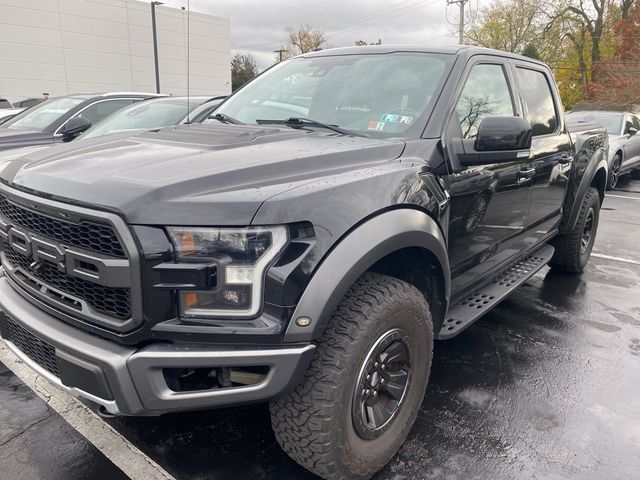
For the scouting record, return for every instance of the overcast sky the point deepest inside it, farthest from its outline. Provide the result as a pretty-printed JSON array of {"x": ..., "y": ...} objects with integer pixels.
[{"x": 259, "y": 26}]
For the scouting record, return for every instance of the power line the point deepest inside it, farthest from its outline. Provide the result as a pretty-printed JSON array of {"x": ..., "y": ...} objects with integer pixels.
[
  {"x": 375, "y": 13},
  {"x": 407, "y": 9},
  {"x": 370, "y": 19}
]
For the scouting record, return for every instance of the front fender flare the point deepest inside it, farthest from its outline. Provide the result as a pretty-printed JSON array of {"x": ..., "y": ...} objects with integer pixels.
[{"x": 354, "y": 255}]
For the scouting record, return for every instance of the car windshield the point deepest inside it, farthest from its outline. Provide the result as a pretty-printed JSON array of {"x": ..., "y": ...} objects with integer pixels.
[
  {"x": 611, "y": 121},
  {"x": 144, "y": 116},
  {"x": 374, "y": 94},
  {"x": 40, "y": 116}
]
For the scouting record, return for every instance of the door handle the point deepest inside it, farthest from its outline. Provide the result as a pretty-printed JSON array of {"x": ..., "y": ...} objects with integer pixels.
[
  {"x": 526, "y": 174},
  {"x": 565, "y": 158}
]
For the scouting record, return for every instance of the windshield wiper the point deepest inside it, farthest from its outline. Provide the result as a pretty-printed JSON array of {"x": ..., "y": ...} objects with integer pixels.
[
  {"x": 300, "y": 122},
  {"x": 221, "y": 117}
]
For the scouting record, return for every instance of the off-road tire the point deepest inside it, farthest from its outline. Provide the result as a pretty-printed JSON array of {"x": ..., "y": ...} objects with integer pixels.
[
  {"x": 314, "y": 423},
  {"x": 570, "y": 257}
]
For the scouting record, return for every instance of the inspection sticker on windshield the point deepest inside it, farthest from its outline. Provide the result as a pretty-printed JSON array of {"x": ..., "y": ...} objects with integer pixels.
[
  {"x": 392, "y": 118},
  {"x": 373, "y": 125}
]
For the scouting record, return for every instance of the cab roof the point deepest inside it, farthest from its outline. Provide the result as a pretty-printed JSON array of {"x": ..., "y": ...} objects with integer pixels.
[{"x": 457, "y": 50}]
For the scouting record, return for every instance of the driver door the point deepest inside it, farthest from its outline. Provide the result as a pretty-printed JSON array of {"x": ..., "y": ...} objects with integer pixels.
[{"x": 489, "y": 203}]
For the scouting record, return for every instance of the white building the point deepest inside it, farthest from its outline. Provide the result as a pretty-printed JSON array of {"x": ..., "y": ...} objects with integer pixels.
[{"x": 92, "y": 46}]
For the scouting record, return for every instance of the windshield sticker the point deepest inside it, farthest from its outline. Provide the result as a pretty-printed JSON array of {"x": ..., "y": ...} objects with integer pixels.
[
  {"x": 373, "y": 125},
  {"x": 392, "y": 118}
]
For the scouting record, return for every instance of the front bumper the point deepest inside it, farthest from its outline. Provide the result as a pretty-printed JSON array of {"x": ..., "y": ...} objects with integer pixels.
[{"x": 130, "y": 381}]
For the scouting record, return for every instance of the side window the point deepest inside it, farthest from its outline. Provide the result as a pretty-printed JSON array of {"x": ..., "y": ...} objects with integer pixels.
[
  {"x": 628, "y": 123},
  {"x": 541, "y": 109},
  {"x": 485, "y": 94},
  {"x": 99, "y": 110},
  {"x": 636, "y": 122}
]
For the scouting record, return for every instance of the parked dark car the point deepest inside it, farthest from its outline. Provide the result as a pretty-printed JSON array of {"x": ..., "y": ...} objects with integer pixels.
[
  {"x": 62, "y": 119},
  {"x": 302, "y": 247},
  {"x": 624, "y": 141},
  {"x": 150, "y": 114}
]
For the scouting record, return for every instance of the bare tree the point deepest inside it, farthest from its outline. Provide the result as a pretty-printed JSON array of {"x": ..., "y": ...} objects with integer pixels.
[
  {"x": 363, "y": 43},
  {"x": 471, "y": 111},
  {"x": 593, "y": 19},
  {"x": 304, "y": 39}
]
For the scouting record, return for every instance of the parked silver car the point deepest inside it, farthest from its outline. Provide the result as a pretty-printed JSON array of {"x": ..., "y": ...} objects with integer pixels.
[{"x": 624, "y": 141}]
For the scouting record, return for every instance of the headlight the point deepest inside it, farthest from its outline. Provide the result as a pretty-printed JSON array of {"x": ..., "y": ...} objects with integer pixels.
[{"x": 248, "y": 251}]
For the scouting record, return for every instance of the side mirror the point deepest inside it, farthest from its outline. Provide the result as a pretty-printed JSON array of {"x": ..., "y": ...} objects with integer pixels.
[
  {"x": 499, "y": 140},
  {"x": 74, "y": 127},
  {"x": 632, "y": 131}
]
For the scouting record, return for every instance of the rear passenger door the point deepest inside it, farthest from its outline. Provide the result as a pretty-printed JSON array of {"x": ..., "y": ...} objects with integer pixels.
[{"x": 551, "y": 150}]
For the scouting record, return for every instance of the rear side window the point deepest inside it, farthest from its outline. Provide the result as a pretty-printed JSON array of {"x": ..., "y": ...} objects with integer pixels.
[
  {"x": 541, "y": 110},
  {"x": 485, "y": 94},
  {"x": 102, "y": 109}
]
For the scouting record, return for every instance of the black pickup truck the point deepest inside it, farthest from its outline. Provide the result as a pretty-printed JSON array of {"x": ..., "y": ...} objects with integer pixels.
[{"x": 344, "y": 210}]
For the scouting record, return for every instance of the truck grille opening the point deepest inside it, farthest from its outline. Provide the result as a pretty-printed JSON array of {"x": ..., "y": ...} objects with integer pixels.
[
  {"x": 36, "y": 349},
  {"x": 202, "y": 379},
  {"x": 113, "y": 302},
  {"x": 85, "y": 234}
]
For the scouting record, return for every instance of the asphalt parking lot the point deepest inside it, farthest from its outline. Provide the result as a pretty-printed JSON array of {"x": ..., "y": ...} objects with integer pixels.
[{"x": 545, "y": 386}]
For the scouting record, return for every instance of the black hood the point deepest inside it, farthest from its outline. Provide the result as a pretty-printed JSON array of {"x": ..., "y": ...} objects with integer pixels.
[
  {"x": 191, "y": 174},
  {"x": 23, "y": 138}
]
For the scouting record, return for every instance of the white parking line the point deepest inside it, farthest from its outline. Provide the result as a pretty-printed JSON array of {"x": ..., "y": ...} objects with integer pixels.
[
  {"x": 622, "y": 196},
  {"x": 617, "y": 259},
  {"x": 126, "y": 456}
]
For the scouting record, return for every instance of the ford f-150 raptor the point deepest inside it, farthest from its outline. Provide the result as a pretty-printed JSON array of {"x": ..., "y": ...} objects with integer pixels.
[{"x": 345, "y": 209}]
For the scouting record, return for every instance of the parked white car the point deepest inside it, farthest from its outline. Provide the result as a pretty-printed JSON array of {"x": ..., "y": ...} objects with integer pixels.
[{"x": 8, "y": 113}]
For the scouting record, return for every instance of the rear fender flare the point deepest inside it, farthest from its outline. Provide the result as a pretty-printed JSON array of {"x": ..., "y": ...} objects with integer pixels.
[
  {"x": 355, "y": 253},
  {"x": 572, "y": 210}
]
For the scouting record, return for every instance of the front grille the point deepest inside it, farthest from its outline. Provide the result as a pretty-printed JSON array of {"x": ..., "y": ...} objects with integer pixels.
[
  {"x": 113, "y": 302},
  {"x": 92, "y": 236},
  {"x": 37, "y": 350}
]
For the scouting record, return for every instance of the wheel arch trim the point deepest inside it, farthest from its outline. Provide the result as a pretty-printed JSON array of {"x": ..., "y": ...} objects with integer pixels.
[
  {"x": 598, "y": 163},
  {"x": 356, "y": 253}
]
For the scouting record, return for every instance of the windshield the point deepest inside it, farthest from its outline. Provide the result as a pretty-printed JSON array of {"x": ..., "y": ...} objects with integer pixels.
[
  {"x": 379, "y": 94},
  {"x": 144, "y": 116},
  {"x": 611, "y": 121},
  {"x": 40, "y": 116}
]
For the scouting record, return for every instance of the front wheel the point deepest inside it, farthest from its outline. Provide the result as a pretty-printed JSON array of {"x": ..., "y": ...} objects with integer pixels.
[
  {"x": 614, "y": 173},
  {"x": 573, "y": 249},
  {"x": 365, "y": 384}
]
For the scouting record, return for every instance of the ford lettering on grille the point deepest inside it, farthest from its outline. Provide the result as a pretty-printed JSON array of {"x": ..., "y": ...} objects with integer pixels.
[{"x": 105, "y": 271}]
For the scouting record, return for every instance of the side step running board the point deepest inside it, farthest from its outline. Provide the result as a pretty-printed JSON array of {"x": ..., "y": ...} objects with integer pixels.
[{"x": 473, "y": 306}]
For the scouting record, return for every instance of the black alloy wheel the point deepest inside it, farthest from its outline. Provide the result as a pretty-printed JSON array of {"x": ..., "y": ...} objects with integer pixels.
[
  {"x": 614, "y": 173},
  {"x": 382, "y": 384},
  {"x": 587, "y": 232}
]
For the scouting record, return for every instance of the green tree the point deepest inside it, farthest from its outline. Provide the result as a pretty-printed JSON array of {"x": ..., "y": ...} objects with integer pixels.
[
  {"x": 243, "y": 69},
  {"x": 531, "y": 51}
]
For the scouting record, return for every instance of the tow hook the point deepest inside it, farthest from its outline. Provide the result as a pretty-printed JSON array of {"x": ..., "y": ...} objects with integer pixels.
[{"x": 104, "y": 413}]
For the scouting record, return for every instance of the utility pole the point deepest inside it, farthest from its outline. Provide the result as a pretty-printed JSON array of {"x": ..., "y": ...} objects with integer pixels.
[
  {"x": 461, "y": 4},
  {"x": 155, "y": 42},
  {"x": 280, "y": 52}
]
